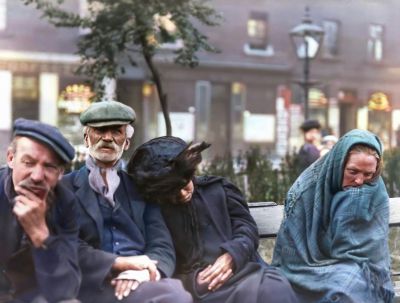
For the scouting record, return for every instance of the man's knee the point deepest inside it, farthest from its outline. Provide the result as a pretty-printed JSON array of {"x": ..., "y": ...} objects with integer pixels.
[{"x": 165, "y": 291}]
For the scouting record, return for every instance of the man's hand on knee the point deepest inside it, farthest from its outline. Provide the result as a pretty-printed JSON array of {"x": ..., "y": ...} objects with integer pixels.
[{"x": 141, "y": 262}]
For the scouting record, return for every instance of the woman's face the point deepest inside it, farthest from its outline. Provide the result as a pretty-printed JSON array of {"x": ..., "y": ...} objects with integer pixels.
[
  {"x": 360, "y": 169},
  {"x": 186, "y": 193}
]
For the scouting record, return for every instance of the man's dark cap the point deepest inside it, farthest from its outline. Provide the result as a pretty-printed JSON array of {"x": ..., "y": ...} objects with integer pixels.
[
  {"x": 106, "y": 113},
  {"x": 47, "y": 134},
  {"x": 310, "y": 124},
  {"x": 165, "y": 164}
]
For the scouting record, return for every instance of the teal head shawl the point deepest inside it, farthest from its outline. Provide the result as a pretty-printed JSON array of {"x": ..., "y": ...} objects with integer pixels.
[{"x": 334, "y": 241}]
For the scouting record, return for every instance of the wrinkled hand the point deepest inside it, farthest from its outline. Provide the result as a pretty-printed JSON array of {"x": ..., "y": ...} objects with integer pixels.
[
  {"x": 30, "y": 211},
  {"x": 136, "y": 262},
  {"x": 124, "y": 287},
  {"x": 217, "y": 274},
  {"x": 128, "y": 280}
]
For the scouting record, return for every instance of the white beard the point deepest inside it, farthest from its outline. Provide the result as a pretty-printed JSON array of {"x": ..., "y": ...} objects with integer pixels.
[{"x": 109, "y": 157}]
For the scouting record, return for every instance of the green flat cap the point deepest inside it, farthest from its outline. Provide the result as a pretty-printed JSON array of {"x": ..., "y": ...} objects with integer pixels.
[{"x": 106, "y": 113}]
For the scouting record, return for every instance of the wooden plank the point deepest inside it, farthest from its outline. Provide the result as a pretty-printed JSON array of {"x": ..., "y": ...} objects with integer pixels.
[
  {"x": 268, "y": 219},
  {"x": 394, "y": 206},
  {"x": 261, "y": 204},
  {"x": 269, "y": 215}
]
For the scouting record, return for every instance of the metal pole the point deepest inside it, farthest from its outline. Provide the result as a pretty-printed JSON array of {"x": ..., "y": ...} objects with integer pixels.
[{"x": 306, "y": 79}]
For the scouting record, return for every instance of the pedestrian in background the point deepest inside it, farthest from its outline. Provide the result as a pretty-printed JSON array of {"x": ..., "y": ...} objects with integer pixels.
[
  {"x": 310, "y": 150},
  {"x": 327, "y": 144}
]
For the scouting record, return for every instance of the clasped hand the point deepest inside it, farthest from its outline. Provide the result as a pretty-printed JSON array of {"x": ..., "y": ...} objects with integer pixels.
[
  {"x": 217, "y": 274},
  {"x": 133, "y": 270}
]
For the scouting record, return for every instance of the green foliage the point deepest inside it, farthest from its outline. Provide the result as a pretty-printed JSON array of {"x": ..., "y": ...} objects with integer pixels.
[
  {"x": 262, "y": 178},
  {"x": 391, "y": 171},
  {"x": 122, "y": 31},
  {"x": 260, "y": 181},
  {"x": 222, "y": 166},
  {"x": 255, "y": 175}
]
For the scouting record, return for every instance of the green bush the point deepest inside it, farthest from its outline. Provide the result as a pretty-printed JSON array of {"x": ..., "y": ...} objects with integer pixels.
[
  {"x": 391, "y": 171},
  {"x": 255, "y": 175}
]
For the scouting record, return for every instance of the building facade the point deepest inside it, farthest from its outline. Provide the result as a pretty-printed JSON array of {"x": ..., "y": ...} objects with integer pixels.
[{"x": 247, "y": 94}]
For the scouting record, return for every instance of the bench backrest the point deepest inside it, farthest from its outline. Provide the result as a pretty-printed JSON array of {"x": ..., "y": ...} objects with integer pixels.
[{"x": 269, "y": 215}]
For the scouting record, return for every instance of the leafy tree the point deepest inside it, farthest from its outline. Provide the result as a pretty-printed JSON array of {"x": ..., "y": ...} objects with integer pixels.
[{"x": 121, "y": 30}]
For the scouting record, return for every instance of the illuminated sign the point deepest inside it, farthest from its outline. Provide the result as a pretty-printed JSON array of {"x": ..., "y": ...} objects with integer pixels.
[
  {"x": 75, "y": 98},
  {"x": 379, "y": 101},
  {"x": 317, "y": 98}
]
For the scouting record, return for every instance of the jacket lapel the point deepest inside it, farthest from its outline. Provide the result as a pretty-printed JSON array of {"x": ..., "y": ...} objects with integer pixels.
[
  {"x": 127, "y": 193},
  {"x": 87, "y": 198}
]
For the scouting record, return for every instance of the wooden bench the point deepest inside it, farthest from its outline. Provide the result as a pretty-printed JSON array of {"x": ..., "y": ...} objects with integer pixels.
[{"x": 269, "y": 215}]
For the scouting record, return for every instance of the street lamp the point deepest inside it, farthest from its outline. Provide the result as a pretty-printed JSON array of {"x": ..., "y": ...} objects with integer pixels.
[{"x": 306, "y": 38}]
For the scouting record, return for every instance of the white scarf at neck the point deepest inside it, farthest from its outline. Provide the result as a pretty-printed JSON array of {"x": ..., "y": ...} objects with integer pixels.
[{"x": 96, "y": 180}]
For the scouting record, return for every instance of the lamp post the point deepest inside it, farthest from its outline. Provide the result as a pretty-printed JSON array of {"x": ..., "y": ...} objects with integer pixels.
[{"x": 306, "y": 38}]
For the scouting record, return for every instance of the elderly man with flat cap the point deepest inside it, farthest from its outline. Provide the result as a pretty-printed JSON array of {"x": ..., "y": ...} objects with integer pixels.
[
  {"x": 130, "y": 254},
  {"x": 39, "y": 241}
]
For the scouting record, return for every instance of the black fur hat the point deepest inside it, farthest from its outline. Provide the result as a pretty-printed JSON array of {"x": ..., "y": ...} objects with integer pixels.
[
  {"x": 310, "y": 124},
  {"x": 164, "y": 165}
]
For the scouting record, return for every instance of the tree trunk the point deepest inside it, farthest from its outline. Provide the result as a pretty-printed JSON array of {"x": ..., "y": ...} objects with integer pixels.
[
  {"x": 110, "y": 87},
  {"x": 161, "y": 95}
]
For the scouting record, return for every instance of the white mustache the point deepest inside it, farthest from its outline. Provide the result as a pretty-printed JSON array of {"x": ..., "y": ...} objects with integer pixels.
[{"x": 107, "y": 145}]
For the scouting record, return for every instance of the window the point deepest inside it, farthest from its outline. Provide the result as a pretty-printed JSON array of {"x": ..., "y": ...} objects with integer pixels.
[
  {"x": 3, "y": 14},
  {"x": 238, "y": 99},
  {"x": 330, "y": 43},
  {"x": 375, "y": 43},
  {"x": 203, "y": 104},
  {"x": 257, "y": 32}
]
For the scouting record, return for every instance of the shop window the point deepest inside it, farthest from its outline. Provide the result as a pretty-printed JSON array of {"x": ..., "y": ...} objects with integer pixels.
[
  {"x": 330, "y": 43},
  {"x": 318, "y": 105},
  {"x": 72, "y": 101},
  {"x": 258, "y": 35},
  {"x": 202, "y": 109},
  {"x": 25, "y": 96},
  {"x": 238, "y": 101},
  {"x": 379, "y": 101},
  {"x": 379, "y": 116},
  {"x": 3, "y": 14},
  {"x": 375, "y": 42}
]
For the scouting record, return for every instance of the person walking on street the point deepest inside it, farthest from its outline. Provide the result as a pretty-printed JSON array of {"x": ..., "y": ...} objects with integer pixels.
[{"x": 309, "y": 151}]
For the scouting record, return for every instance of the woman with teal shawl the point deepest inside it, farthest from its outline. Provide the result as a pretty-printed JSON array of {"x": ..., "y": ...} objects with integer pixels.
[{"x": 332, "y": 244}]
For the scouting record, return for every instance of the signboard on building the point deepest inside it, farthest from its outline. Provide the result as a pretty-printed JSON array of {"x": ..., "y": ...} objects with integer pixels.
[
  {"x": 282, "y": 127},
  {"x": 182, "y": 125},
  {"x": 259, "y": 128}
]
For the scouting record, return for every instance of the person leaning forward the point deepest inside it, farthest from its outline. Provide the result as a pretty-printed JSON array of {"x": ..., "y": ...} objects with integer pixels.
[
  {"x": 39, "y": 242},
  {"x": 129, "y": 252},
  {"x": 214, "y": 234}
]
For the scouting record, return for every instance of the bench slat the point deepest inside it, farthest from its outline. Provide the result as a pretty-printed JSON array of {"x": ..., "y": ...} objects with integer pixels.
[{"x": 269, "y": 215}]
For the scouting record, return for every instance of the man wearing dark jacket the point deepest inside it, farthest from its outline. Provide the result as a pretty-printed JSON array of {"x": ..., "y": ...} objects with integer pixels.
[
  {"x": 309, "y": 151},
  {"x": 39, "y": 242},
  {"x": 128, "y": 253}
]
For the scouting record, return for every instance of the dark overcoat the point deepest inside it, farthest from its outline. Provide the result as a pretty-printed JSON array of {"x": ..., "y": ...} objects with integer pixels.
[
  {"x": 51, "y": 271},
  {"x": 215, "y": 221},
  {"x": 96, "y": 263}
]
